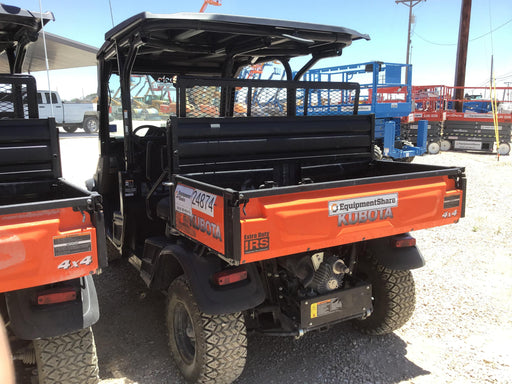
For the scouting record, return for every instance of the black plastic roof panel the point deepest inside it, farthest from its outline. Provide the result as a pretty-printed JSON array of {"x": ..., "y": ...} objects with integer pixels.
[
  {"x": 17, "y": 24},
  {"x": 198, "y": 43},
  {"x": 22, "y": 51}
]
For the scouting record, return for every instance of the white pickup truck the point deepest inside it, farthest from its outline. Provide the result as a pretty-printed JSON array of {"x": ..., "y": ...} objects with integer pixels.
[{"x": 69, "y": 116}]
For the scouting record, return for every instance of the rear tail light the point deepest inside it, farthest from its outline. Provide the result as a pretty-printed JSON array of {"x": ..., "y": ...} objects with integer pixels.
[
  {"x": 403, "y": 241},
  {"x": 56, "y": 295},
  {"x": 230, "y": 276}
]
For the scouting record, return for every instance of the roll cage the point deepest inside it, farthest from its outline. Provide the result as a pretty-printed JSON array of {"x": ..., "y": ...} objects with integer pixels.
[{"x": 205, "y": 45}]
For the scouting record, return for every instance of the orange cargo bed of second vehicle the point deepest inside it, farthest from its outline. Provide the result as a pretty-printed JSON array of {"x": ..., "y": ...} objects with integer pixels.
[{"x": 42, "y": 247}]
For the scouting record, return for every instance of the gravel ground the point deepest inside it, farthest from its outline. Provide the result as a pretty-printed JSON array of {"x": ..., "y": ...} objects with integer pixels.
[{"x": 461, "y": 331}]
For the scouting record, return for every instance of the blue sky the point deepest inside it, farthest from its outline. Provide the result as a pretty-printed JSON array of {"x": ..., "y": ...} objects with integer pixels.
[{"x": 433, "y": 42}]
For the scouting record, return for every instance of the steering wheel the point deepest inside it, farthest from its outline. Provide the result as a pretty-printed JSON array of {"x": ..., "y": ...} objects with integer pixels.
[{"x": 153, "y": 130}]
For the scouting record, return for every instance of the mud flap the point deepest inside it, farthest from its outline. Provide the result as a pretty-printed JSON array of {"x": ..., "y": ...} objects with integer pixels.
[
  {"x": 211, "y": 299},
  {"x": 398, "y": 259},
  {"x": 30, "y": 321}
]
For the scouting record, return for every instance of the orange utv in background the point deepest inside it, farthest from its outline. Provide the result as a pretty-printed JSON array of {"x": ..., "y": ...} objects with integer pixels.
[
  {"x": 52, "y": 237},
  {"x": 260, "y": 213}
]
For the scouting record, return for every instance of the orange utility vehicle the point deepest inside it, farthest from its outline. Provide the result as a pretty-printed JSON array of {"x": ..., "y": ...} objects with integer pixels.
[
  {"x": 51, "y": 232},
  {"x": 269, "y": 217}
]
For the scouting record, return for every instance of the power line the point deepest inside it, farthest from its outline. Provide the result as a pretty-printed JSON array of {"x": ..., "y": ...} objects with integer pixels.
[
  {"x": 471, "y": 40},
  {"x": 431, "y": 42}
]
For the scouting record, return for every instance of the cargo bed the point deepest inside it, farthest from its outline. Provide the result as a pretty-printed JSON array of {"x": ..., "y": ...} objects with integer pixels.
[
  {"x": 291, "y": 185},
  {"x": 48, "y": 227}
]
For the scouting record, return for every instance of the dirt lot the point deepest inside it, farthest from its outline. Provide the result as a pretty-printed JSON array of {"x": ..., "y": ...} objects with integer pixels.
[{"x": 461, "y": 331}]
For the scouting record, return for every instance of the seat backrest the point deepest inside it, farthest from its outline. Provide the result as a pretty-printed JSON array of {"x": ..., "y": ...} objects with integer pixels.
[
  {"x": 224, "y": 144},
  {"x": 29, "y": 150}
]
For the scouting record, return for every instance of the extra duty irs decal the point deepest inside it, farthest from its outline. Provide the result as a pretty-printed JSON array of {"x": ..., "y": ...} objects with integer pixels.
[
  {"x": 256, "y": 242},
  {"x": 363, "y": 209}
]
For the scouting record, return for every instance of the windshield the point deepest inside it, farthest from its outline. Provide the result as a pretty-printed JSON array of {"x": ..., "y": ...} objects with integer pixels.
[{"x": 153, "y": 101}]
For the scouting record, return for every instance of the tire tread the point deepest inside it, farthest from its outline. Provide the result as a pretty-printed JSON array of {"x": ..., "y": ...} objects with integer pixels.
[
  {"x": 224, "y": 339},
  {"x": 67, "y": 359},
  {"x": 396, "y": 305}
]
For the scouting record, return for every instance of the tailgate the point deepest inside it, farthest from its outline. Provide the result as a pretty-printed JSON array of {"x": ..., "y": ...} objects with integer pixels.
[
  {"x": 255, "y": 225},
  {"x": 278, "y": 225},
  {"x": 46, "y": 246}
]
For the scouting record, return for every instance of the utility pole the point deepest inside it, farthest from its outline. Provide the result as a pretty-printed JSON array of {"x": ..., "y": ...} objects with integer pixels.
[
  {"x": 462, "y": 54},
  {"x": 410, "y": 4}
]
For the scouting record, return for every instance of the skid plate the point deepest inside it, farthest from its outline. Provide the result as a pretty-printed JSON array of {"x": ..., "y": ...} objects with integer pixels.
[{"x": 333, "y": 307}]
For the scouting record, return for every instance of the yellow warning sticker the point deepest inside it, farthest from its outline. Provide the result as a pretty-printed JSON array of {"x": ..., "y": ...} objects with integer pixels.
[
  {"x": 325, "y": 307},
  {"x": 314, "y": 308}
]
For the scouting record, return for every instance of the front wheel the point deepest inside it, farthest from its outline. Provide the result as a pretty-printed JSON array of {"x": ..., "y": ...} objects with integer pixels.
[
  {"x": 433, "y": 148},
  {"x": 90, "y": 124},
  {"x": 207, "y": 348},
  {"x": 446, "y": 145},
  {"x": 69, "y": 358},
  {"x": 393, "y": 297}
]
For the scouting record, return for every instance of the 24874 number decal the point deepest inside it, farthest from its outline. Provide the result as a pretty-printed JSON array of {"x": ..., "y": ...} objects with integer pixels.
[
  {"x": 67, "y": 264},
  {"x": 203, "y": 201}
]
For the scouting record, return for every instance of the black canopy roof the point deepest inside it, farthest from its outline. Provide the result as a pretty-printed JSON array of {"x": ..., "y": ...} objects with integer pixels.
[
  {"x": 22, "y": 45},
  {"x": 18, "y": 28},
  {"x": 207, "y": 44}
]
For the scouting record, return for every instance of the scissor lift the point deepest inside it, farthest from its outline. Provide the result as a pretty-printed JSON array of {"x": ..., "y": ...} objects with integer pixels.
[{"x": 385, "y": 92}]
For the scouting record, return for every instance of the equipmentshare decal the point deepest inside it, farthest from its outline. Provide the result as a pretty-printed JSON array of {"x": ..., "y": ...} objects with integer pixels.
[{"x": 363, "y": 209}]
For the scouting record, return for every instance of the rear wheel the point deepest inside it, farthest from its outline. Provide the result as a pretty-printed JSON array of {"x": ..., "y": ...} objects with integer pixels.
[
  {"x": 69, "y": 129},
  {"x": 90, "y": 124},
  {"x": 504, "y": 149},
  {"x": 206, "y": 348},
  {"x": 67, "y": 359},
  {"x": 393, "y": 297}
]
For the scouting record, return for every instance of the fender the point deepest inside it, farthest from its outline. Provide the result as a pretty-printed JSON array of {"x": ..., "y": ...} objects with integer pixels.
[
  {"x": 176, "y": 259},
  {"x": 399, "y": 259},
  {"x": 30, "y": 322}
]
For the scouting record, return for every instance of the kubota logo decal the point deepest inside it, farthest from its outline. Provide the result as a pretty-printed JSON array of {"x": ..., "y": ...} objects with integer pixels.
[
  {"x": 363, "y": 209},
  {"x": 203, "y": 225}
]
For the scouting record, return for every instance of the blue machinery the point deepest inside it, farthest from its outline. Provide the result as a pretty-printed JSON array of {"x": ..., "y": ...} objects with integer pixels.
[{"x": 384, "y": 93}]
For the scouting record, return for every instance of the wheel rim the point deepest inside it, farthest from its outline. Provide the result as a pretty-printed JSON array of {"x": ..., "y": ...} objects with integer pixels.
[
  {"x": 433, "y": 148},
  {"x": 184, "y": 334},
  {"x": 504, "y": 149},
  {"x": 92, "y": 125},
  {"x": 445, "y": 145}
]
